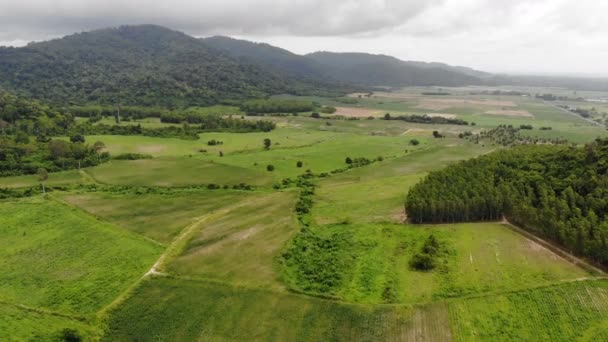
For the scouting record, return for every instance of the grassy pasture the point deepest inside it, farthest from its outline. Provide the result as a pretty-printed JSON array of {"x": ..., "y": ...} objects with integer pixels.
[
  {"x": 373, "y": 262},
  {"x": 241, "y": 246},
  {"x": 19, "y": 324},
  {"x": 321, "y": 157},
  {"x": 167, "y": 309},
  {"x": 70, "y": 177},
  {"x": 159, "y": 147},
  {"x": 59, "y": 258},
  {"x": 159, "y": 217},
  {"x": 175, "y": 172},
  {"x": 570, "y": 312}
]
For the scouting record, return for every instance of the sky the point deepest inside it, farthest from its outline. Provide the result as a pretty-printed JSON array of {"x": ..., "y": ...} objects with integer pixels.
[{"x": 544, "y": 37}]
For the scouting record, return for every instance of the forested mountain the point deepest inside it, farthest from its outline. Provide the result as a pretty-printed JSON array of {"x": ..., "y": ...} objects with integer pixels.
[
  {"x": 557, "y": 192},
  {"x": 368, "y": 69},
  {"x": 138, "y": 65},
  {"x": 269, "y": 56}
]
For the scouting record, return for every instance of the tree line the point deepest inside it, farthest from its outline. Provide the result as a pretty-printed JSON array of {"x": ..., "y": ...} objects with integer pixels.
[{"x": 557, "y": 192}]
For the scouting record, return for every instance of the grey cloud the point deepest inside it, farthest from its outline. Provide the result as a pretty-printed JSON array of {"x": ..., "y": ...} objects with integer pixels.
[{"x": 29, "y": 19}]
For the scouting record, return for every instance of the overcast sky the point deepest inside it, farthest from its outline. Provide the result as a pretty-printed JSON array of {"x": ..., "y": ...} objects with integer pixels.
[{"x": 514, "y": 36}]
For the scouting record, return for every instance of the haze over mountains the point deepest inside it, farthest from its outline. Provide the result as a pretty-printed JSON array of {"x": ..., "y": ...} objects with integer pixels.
[{"x": 153, "y": 65}]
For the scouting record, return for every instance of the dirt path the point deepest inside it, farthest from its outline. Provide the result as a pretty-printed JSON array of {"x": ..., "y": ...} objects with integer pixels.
[{"x": 176, "y": 247}]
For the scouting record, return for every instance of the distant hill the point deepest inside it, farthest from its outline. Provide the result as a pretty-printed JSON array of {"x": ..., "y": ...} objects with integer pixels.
[
  {"x": 381, "y": 70},
  {"x": 269, "y": 56},
  {"x": 154, "y": 66},
  {"x": 354, "y": 68},
  {"x": 139, "y": 65}
]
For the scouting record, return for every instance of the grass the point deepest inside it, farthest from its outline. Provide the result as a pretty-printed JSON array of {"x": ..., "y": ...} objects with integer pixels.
[
  {"x": 157, "y": 216},
  {"x": 241, "y": 247},
  {"x": 55, "y": 179},
  {"x": 58, "y": 258},
  {"x": 18, "y": 324},
  {"x": 570, "y": 312},
  {"x": 175, "y": 172},
  {"x": 320, "y": 157},
  {"x": 369, "y": 263},
  {"x": 167, "y": 309},
  {"x": 159, "y": 147}
]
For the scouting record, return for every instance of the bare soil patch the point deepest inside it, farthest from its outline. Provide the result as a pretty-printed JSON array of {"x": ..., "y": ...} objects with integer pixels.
[
  {"x": 517, "y": 113},
  {"x": 441, "y": 115},
  {"x": 151, "y": 148},
  {"x": 355, "y": 112},
  {"x": 441, "y": 104}
]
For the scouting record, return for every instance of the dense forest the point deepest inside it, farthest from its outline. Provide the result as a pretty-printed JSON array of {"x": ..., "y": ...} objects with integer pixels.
[
  {"x": 142, "y": 65},
  {"x": 557, "y": 192},
  {"x": 276, "y": 106}
]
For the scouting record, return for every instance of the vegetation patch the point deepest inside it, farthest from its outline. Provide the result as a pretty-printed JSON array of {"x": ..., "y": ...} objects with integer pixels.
[{"x": 65, "y": 260}]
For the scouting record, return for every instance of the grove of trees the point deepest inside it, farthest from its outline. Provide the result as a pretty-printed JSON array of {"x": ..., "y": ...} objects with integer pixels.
[{"x": 557, "y": 192}]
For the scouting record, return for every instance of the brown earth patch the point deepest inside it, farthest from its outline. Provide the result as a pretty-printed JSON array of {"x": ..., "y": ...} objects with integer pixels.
[
  {"x": 441, "y": 115},
  {"x": 441, "y": 104},
  {"x": 518, "y": 113},
  {"x": 355, "y": 112}
]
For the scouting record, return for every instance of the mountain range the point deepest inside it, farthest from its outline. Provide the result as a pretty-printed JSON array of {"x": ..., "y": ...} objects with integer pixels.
[{"x": 153, "y": 65}]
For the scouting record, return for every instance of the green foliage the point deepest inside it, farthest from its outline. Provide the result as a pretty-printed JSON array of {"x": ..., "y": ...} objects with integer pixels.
[
  {"x": 65, "y": 260},
  {"x": 132, "y": 156},
  {"x": 112, "y": 67},
  {"x": 414, "y": 142},
  {"x": 270, "y": 167},
  {"x": 558, "y": 193},
  {"x": 56, "y": 155},
  {"x": 263, "y": 106},
  {"x": 425, "y": 119}
]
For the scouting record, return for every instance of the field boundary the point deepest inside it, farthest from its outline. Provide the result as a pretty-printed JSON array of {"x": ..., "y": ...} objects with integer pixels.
[
  {"x": 43, "y": 311},
  {"x": 582, "y": 263}
]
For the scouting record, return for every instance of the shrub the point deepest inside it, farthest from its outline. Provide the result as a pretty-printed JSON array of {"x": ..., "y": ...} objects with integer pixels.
[
  {"x": 299, "y": 164},
  {"x": 315, "y": 115},
  {"x": 414, "y": 142},
  {"x": 270, "y": 168},
  {"x": 422, "y": 262},
  {"x": 348, "y": 160},
  {"x": 132, "y": 156}
]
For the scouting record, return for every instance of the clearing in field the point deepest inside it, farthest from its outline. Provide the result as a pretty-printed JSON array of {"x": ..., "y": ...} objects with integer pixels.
[
  {"x": 441, "y": 115},
  {"x": 370, "y": 263},
  {"x": 441, "y": 104},
  {"x": 65, "y": 260},
  {"x": 157, "y": 216},
  {"x": 175, "y": 172},
  {"x": 242, "y": 245},
  {"x": 516, "y": 113},
  {"x": 352, "y": 112}
]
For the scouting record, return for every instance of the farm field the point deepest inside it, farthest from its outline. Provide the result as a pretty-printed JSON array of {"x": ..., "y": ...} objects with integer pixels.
[
  {"x": 370, "y": 262},
  {"x": 65, "y": 260},
  {"x": 173, "y": 308},
  {"x": 193, "y": 244},
  {"x": 157, "y": 216},
  {"x": 571, "y": 312}
]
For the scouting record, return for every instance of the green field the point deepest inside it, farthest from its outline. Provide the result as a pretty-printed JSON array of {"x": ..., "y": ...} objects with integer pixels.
[
  {"x": 158, "y": 217},
  {"x": 175, "y": 172},
  {"x": 166, "y": 309},
  {"x": 145, "y": 250},
  {"x": 241, "y": 246},
  {"x": 572, "y": 312},
  {"x": 370, "y": 262},
  {"x": 58, "y": 258}
]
